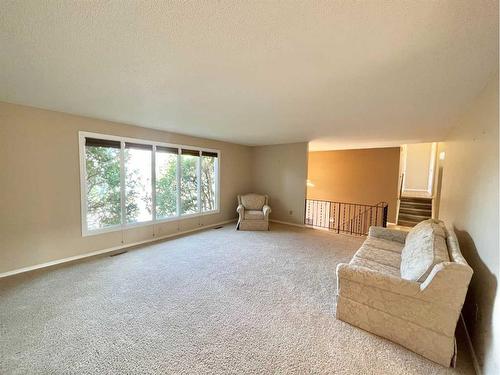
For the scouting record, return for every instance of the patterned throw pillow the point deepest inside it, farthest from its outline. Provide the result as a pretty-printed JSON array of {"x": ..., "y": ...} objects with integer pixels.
[{"x": 425, "y": 247}]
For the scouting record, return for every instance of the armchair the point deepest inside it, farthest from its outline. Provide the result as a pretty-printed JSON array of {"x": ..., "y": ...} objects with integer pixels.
[{"x": 253, "y": 211}]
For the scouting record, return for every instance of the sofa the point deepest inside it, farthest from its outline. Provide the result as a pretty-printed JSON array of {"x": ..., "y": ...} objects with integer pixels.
[
  {"x": 253, "y": 210},
  {"x": 408, "y": 287}
]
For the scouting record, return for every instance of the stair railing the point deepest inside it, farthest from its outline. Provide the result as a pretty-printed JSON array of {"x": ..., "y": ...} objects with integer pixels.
[
  {"x": 400, "y": 193},
  {"x": 362, "y": 221},
  {"x": 344, "y": 217}
]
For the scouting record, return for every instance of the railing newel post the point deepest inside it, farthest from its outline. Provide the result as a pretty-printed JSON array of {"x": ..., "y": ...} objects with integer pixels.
[
  {"x": 384, "y": 223},
  {"x": 338, "y": 219}
]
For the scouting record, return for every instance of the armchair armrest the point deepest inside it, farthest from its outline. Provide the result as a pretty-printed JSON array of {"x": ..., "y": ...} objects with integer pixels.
[
  {"x": 388, "y": 234},
  {"x": 374, "y": 279},
  {"x": 240, "y": 210},
  {"x": 267, "y": 210}
]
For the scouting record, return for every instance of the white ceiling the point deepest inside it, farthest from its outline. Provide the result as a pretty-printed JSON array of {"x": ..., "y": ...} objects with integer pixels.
[{"x": 339, "y": 73}]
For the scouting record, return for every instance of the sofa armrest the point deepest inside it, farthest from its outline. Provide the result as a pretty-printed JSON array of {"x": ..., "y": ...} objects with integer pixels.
[
  {"x": 374, "y": 279},
  {"x": 388, "y": 234},
  {"x": 443, "y": 275},
  {"x": 267, "y": 210}
]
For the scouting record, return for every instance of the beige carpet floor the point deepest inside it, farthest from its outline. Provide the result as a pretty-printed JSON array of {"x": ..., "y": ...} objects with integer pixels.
[{"x": 218, "y": 301}]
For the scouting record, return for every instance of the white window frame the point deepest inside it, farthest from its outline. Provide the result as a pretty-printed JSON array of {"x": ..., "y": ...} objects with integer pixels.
[{"x": 123, "y": 226}]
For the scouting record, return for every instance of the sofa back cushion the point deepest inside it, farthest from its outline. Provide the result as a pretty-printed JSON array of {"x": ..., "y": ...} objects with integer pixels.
[
  {"x": 425, "y": 247},
  {"x": 424, "y": 228},
  {"x": 253, "y": 201}
]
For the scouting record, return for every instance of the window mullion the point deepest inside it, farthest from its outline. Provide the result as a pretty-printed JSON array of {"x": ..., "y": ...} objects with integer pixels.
[
  {"x": 153, "y": 184},
  {"x": 83, "y": 183},
  {"x": 198, "y": 177},
  {"x": 122, "y": 184},
  {"x": 217, "y": 182},
  {"x": 178, "y": 182}
]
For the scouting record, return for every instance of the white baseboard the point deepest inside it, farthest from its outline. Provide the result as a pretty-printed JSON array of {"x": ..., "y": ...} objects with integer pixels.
[
  {"x": 108, "y": 250},
  {"x": 288, "y": 223},
  {"x": 475, "y": 362}
]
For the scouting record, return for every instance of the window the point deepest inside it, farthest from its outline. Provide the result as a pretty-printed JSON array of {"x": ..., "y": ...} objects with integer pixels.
[
  {"x": 189, "y": 181},
  {"x": 208, "y": 177},
  {"x": 102, "y": 162},
  {"x": 166, "y": 182},
  {"x": 138, "y": 175},
  {"x": 129, "y": 182}
]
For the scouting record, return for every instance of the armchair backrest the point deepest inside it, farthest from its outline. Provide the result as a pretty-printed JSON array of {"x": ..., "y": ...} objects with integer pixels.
[{"x": 253, "y": 201}]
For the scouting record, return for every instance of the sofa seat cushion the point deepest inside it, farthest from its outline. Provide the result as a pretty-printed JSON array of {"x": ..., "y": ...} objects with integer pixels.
[
  {"x": 424, "y": 248},
  {"x": 254, "y": 215},
  {"x": 253, "y": 201},
  {"x": 383, "y": 244},
  {"x": 385, "y": 257},
  {"x": 375, "y": 266}
]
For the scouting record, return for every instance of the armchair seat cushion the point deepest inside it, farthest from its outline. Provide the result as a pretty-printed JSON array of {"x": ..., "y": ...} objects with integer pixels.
[{"x": 254, "y": 215}]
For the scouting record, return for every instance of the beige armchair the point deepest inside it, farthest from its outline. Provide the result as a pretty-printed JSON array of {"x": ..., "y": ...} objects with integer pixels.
[{"x": 253, "y": 212}]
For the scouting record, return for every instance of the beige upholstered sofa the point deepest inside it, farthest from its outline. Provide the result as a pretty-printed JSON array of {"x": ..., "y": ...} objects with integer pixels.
[
  {"x": 408, "y": 288},
  {"x": 253, "y": 210}
]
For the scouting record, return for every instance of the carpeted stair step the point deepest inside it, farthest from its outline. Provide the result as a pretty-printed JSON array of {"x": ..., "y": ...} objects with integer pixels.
[
  {"x": 416, "y": 199},
  {"x": 413, "y": 218},
  {"x": 415, "y": 211},
  {"x": 406, "y": 223},
  {"x": 416, "y": 205}
]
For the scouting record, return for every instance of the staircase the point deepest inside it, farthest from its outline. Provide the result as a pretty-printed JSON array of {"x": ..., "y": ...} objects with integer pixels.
[{"x": 414, "y": 210}]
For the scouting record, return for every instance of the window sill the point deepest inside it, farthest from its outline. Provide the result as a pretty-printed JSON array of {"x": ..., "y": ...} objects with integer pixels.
[{"x": 118, "y": 228}]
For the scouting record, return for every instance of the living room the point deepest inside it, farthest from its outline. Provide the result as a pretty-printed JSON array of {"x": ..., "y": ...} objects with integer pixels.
[{"x": 158, "y": 161}]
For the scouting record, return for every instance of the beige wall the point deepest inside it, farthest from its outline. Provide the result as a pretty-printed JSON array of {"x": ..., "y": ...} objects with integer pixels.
[
  {"x": 470, "y": 203},
  {"x": 366, "y": 176},
  {"x": 281, "y": 172},
  {"x": 418, "y": 163},
  {"x": 40, "y": 185},
  {"x": 438, "y": 181}
]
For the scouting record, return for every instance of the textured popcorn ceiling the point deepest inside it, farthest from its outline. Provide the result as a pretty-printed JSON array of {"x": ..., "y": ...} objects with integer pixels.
[{"x": 338, "y": 73}]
